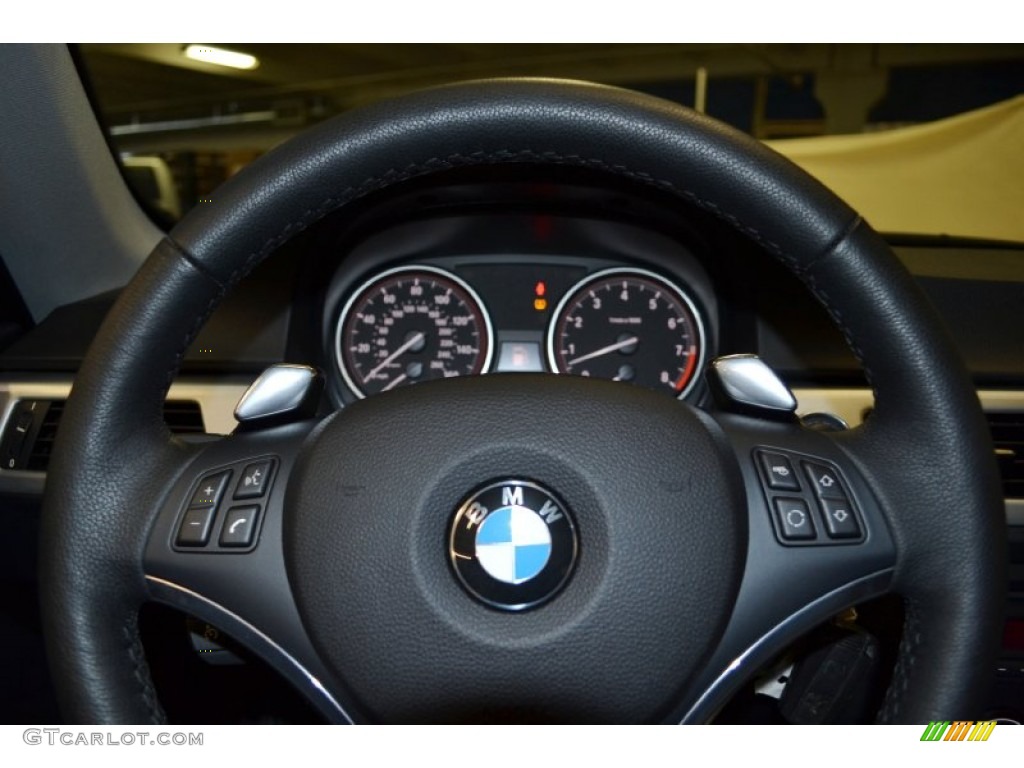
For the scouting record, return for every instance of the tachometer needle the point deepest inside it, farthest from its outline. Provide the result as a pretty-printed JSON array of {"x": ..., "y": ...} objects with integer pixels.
[
  {"x": 605, "y": 350},
  {"x": 411, "y": 342}
]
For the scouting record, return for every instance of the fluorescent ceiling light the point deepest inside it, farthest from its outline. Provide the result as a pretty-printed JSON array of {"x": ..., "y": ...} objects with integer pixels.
[{"x": 221, "y": 57}]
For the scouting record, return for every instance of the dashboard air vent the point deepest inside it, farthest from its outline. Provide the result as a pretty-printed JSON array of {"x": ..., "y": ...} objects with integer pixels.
[
  {"x": 28, "y": 439},
  {"x": 40, "y": 448},
  {"x": 1008, "y": 436},
  {"x": 184, "y": 417}
]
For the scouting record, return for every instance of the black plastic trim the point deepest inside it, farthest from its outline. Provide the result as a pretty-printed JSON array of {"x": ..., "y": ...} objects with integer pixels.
[
  {"x": 192, "y": 603},
  {"x": 767, "y": 646}
]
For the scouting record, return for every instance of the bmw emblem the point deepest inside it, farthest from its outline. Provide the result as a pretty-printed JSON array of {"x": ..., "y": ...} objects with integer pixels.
[{"x": 513, "y": 545}]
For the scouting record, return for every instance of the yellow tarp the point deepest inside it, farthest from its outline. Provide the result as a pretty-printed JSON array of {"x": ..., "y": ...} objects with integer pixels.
[{"x": 960, "y": 176}]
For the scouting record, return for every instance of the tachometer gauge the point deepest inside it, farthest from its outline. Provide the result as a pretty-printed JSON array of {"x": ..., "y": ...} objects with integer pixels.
[
  {"x": 628, "y": 325},
  {"x": 411, "y": 324}
]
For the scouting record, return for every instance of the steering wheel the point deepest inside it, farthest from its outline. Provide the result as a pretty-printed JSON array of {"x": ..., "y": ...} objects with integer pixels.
[{"x": 687, "y": 568}]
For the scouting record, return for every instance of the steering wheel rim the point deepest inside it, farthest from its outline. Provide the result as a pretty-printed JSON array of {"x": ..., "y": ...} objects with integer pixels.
[{"x": 924, "y": 449}]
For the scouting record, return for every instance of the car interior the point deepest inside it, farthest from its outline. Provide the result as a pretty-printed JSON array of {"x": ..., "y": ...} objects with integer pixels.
[{"x": 506, "y": 383}]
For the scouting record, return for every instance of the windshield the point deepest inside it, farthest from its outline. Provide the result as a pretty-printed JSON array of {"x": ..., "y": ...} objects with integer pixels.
[{"x": 920, "y": 138}]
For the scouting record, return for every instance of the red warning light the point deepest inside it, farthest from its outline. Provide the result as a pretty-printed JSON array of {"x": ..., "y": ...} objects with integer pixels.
[{"x": 540, "y": 289}]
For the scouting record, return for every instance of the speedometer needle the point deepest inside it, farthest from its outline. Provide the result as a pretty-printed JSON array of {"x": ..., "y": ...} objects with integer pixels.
[
  {"x": 412, "y": 341},
  {"x": 395, "y": 382},
  {"x": 605, "y": 350}
]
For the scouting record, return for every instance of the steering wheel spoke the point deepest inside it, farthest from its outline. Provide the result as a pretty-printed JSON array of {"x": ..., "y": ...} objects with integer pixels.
[
  {"x": 818, "y": 542},
  {"x": 216, "y": 553}
]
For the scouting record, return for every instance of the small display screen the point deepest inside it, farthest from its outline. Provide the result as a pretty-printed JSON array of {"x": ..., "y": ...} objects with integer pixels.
[
  {"x": 521, "y": 297},
  {"x": 1013, "y": 635}
]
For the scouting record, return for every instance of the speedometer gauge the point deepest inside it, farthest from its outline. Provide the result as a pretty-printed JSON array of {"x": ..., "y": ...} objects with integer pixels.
[
  {"x": 628, "y": 325},
  {"x": 411, "y": 324}
]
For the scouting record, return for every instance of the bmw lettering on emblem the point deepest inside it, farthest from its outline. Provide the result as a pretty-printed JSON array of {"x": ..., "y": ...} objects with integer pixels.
[{"x": 513, "y": 545}]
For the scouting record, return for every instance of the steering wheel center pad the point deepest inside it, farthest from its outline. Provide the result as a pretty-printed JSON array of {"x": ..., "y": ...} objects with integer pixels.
[{"x": 658, "y": 503}]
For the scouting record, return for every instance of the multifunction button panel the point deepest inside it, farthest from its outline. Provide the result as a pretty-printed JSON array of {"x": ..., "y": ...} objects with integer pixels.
[
  {"x": 808, "y": 498},
  {"x": 225, "y": 508}
]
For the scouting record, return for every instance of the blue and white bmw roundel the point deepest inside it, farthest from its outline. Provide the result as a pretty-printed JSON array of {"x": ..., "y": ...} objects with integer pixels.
[{"x": 513, "y": 545}]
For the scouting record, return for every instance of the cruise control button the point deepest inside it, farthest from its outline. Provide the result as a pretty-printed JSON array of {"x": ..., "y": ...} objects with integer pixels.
[
  {"x": 210, "y": 490},
  {"x": 779, "y": 471},
  {"x": 195, "y": 527},
  {"x": 794, "y": 519},
  {"x": 840, "y": 520},
  {"x": 239, "y": 526},
  {"x": 253, "y": 482},
  {"x": 824, "y": 480}
]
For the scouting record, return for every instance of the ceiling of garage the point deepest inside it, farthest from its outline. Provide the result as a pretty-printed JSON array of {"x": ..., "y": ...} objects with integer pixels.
[
  {"x": 150, "y": 89},
  {"x": 157, "y": 79}
]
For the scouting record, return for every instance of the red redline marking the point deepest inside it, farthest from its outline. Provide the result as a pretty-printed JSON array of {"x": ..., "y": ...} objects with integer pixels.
[{"x": 688, "y": 371}]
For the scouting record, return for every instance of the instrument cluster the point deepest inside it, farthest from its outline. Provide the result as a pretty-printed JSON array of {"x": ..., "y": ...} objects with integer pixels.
[{"x": 400, "y": 324}]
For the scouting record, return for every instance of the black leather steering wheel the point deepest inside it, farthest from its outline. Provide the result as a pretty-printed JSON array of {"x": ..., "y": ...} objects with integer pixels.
[{"x": 682, "y": 586}]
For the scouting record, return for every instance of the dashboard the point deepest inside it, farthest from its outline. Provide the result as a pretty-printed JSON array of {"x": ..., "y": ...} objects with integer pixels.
[
  {"x": 513, "y": 276},
  {"x": 569, "y": 278}
]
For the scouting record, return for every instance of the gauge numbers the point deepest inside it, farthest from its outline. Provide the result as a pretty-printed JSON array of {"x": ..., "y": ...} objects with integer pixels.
[
  {"x": 411, "y": 324},
  {"x": 628, "y": 325}
]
